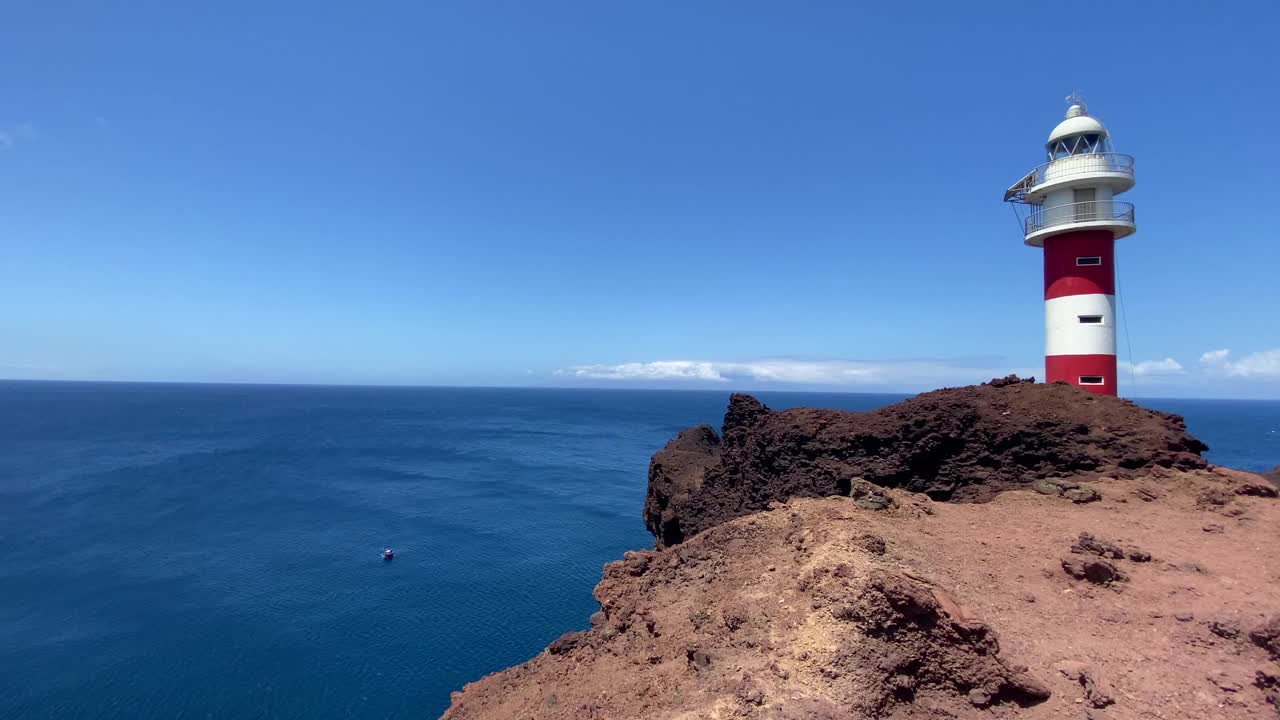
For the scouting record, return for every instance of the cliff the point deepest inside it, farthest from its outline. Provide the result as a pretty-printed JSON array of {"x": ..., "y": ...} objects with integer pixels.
[
  {"x": 964, "y": 444},
  {"x": 1116, "y": 584}
]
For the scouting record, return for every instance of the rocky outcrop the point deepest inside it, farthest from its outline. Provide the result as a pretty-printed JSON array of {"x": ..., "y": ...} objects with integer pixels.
[
  {"x": 750, "y": 619},
  {"x": 675, "y": 473},
  {"x": 1273, "y": 475},
  {"x": 901, "y": 608},
  {"x": 1267, "y": 636},
  {"x": 960, "y": 444},
  {"x": 805, "y": 571}
]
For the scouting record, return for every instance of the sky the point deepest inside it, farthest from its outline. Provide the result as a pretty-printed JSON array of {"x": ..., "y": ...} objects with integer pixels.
[{"x": 622, "y": 194}]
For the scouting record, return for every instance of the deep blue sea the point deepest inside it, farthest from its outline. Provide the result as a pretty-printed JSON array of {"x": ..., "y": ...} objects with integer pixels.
[{"x": 206, "y": 551}]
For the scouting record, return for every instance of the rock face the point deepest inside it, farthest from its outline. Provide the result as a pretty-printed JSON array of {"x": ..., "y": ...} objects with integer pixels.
[
  {"x": 677, "y": 637},
  {"x": 1273, "y": 475},
  {"x": 676, "y": 474},
  {"x": 804, "y": 571},
  {"x": 908, "y": 609},
  {"x": 1267, "y": 637},
  {"x": 960, "y": 444}
]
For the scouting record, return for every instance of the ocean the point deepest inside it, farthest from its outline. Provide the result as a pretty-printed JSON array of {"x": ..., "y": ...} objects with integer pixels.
[{"x": 214, "y": 551}]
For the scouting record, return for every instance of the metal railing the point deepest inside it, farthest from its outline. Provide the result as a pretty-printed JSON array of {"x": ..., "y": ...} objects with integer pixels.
[
  {"x": 1066, "y": 167},
  {"x": 1091, "y": 211}
]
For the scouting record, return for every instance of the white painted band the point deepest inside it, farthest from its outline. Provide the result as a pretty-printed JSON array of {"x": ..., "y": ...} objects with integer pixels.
[{"x": 1065, "y": 334}]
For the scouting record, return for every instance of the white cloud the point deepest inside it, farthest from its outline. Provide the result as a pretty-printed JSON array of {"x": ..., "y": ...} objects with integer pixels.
[
  {"x": 802, "y": 372},
  {"x": 1259, "y": 364},
  {"x": 1214, "y": 357},
  {"x": 911, "y": 375},
  {"x": 1148, "y": 368},
  {"x": 6, "y": 140},
  {"x": 1265, "y": 364},
  {"x": 657, "y": 370}
]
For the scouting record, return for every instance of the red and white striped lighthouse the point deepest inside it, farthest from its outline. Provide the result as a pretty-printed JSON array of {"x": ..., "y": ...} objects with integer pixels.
[{"x": 1076, "y": 219}]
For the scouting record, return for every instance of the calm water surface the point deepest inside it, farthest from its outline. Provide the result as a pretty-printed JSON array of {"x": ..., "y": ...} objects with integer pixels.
[{"x": 213, "y": 551}]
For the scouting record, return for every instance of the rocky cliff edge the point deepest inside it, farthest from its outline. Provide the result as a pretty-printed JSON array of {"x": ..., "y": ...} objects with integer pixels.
[{"x": 1150, "y": 592}]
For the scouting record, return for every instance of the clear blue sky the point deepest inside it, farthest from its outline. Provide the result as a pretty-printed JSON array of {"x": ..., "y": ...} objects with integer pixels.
[{"x": 628, "y": 194}]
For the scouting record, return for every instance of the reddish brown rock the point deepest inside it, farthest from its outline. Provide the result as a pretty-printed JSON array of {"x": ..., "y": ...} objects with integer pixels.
[
  {"x": 1089, "y": 544},
  {"x": 1267, "y": 636},
  {"x": 852, "y": 636},
  {"x": 1096, "y": 571},
  {"x": 674, "y": 473},
  {"x": 880, "y": 604},
  {"x": 820, "y": 608},
  {"x": 959, "y": 444}
]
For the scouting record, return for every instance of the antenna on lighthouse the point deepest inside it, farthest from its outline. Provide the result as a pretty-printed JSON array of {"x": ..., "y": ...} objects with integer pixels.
[{"x": 1076, "y": 106}]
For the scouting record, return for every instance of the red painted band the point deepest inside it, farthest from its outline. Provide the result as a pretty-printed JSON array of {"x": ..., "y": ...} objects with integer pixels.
[
  {"x": 1072, "y": 367},
  {"x": 1064, "y": 276}
]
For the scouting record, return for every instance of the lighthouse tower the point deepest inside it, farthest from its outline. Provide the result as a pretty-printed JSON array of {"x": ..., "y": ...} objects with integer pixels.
[{"x": 1076, "y": 219}]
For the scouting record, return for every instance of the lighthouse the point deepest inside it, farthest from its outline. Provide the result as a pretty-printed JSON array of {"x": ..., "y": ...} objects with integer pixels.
[{"x": 1076, "y": 219}]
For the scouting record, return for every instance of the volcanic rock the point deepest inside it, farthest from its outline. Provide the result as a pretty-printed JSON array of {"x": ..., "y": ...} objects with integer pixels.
[
  {"x": 958, "y": 444},
  {"x": 818, "y": 608},
  {"x": 676, "y": 472},
  {"x": 1098, "y": 572},
  {"x": 1267, "y": 636},
  {"x": 803, "y": 572},
  {"x": 1096, "y": 693},
  {"x": 1089, "y": 544},
  {"x": 847, "y": 630}
]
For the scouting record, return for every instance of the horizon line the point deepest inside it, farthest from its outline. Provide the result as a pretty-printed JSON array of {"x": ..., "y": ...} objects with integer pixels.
[{"x": 430, "y": 386}]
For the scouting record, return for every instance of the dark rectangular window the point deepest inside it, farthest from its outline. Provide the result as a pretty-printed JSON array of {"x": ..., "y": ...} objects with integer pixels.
[
  {"x": 1091, "y": 380},
  {"x": 1083, "y": 261},
  {"x": 1090, "y": 319}
]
